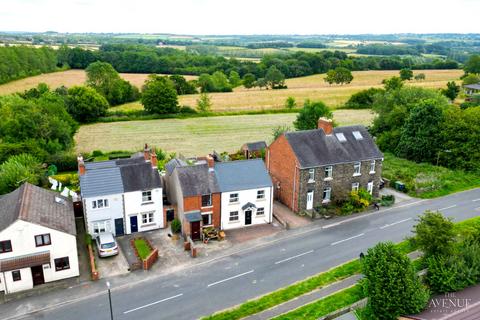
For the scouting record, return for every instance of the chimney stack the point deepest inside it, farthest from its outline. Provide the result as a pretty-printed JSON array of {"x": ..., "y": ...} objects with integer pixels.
[
  {"x": 153, "y": 159},
  {"x": 81, "y": 165},
  {"x": 146, "y": 152},
  {"x": 210, "y": 161},
  {"x": 326, "y": 125}
]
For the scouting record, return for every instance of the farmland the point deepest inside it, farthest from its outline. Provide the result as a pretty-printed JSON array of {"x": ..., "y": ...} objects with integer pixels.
[
  {"x": 311, "y": 87},
  {"x": 195, "y": 136},
  {"x": 66, "y": 78}
]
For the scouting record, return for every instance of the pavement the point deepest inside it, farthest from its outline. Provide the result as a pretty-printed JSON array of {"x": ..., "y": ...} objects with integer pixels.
[
  {"x": 230, "y": 277},
  {"x": 286, "y": 215}
]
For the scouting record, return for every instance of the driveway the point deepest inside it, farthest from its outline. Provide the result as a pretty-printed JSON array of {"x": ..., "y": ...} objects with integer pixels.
[
  {"x": 112, "y": 266},
  {"x": 285, "y": 214}
]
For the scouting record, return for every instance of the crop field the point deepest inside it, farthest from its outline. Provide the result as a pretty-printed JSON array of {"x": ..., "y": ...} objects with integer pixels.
[
  {"x": 311, "y": 87},
  {"x": 67, "y": 78},
  {"x": 195, "y": 136}
]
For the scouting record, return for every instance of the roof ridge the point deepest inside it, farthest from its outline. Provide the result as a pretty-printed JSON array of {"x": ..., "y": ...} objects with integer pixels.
[{"x": 22, "y": 211}]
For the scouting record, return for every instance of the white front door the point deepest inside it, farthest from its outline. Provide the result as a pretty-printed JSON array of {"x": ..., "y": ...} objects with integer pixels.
[
  {"x": 370, "y": 187},
  {"x": 309, "y": 200}
]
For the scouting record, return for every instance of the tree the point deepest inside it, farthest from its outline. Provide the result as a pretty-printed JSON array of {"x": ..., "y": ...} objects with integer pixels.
[
  {"x": 182, "y": 85},
  {"x": 290, "y": 103},
  {"x": 275, "y": 78},
  {"x": 473, "y": 64},
  {"x": 204, "y": 105},
  {"x": 420, "y": 76},
  {"x": 220, "y": 82},
  {"x": 279, "y": 130},
  {"x": 249, "y": 80},
  {"x": 234, "y": 79},
  {"x": 308, "y": 116},
  {"x": 406, "y": 74},
  {"x": 85, "y": 104},
  {"x": 363, "y": 99},
  {"x": 420, "y": 138},
  {"x": 391, "y": 285},
  {"x": 261, "y": 83},
  {"x": 471, "y": 79},
  {"x": 339, "y": 75},
  {"x": 434, "y": 234},
  {"x": 205, "y": 83},
  {"x": 159, "y": 95},
  {"x": 394, "y": 83},
  {"x": 452, "y": 90},
  {"x": 17, "y": 170}
]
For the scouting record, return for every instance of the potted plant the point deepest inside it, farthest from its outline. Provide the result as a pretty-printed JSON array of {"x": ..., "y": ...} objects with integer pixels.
[{"x": 176, "y": 227}]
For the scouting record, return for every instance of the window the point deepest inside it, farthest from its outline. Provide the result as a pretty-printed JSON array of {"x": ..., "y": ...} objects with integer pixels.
[
  {"x": 311, "y": 175},
  {"x": 101, "y": 226},
  {"x": 370, "y": 187},
  {"x": 356, "y": 168},
  {"x": 16, "y": 275},
  {"x": 357, "y": 135},
  {"x": 233, "y": 216},
  {"x": 341, "y": 137},
  {"x": 42, "y": 240},
  {"x": 100, "y": 203},
  {"x": 355, "y": 186},
  {"x": 260, "y": 211},
  {"x": 146, "y": 196},
  {"x": 260, "y": 194},
  {"x": 372, "y": 166},
  {"x": 207, "y": 219},
  {"x": 206, "y": 200},
  {"x": 327, "y": 193},
  {"x": 5, "y": 246},
  {"x": 233, "y": 197},
  {"x": 328, "y": 172},
  {"x": 147, "y": 217},
  {"x": 62, "y": 264}
]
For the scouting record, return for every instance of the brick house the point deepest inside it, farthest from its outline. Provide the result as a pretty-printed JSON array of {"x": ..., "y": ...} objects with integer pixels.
[
  {"x": 253, "y": 149},
  {"x": 314, "y": 167}
]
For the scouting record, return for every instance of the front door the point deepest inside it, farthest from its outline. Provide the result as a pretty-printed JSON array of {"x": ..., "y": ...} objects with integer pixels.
[
  {"x": 37, "y": 275},
  {"x": 195, "y": 230},
  {"x": 133, "y": 224},
  {"x": 310, "y": 200},
  {"x": 119, "y": 227},
  {"x": 248, "y": 217}
]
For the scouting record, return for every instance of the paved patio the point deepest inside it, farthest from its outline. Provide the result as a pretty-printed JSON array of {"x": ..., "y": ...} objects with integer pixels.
[{"x": 287, "y": 215}]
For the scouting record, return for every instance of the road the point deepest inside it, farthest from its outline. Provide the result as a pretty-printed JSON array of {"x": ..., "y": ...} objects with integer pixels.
[{"x": 233, "y": 279}]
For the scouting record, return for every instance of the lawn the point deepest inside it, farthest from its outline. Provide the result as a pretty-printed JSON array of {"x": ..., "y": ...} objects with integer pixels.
[
  {"x": 195, "y": 136},
  {"x": 425, "y": 180},
  {"x": 67, "y": 78},
  {"x": 311, "y": 87},
  {"x": 142, "y": 248}
]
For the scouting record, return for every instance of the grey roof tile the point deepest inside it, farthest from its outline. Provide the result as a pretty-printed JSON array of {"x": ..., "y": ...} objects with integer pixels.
[
  {"x": 140, "y": 177},
  {"x": 242, "y": 175},
  {"x": 256, "y": 146},
  {"x": 197, "y": 180}
]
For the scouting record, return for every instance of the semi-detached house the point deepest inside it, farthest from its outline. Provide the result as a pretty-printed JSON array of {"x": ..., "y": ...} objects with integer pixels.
[{"x": 311, "y": 168}]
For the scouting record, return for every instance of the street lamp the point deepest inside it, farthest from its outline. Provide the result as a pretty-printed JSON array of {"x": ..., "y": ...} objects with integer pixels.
[{"x": 110, "y": 300}]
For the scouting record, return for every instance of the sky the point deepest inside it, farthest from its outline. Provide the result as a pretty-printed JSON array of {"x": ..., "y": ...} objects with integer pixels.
[{"x": 201, "y": 17}]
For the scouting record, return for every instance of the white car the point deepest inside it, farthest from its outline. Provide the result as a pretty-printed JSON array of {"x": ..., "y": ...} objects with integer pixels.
[{"x": 106, "y": 245}]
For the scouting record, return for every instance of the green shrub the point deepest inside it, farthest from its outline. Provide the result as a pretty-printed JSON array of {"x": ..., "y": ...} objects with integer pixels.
[
  {"x": 97, "y": 153},
  {"x": 358, "y": 201},
  {"x": 187, "y": 110},
  {"x": 363, "y": 99},
  {"x": 387, "y": 200},
  {"x": 176, "y": 226},
  {"x": 65, "y": 161},
  {"x": 88, "y": 239}
]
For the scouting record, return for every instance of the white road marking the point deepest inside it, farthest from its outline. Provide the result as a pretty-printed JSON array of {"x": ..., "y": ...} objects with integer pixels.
[
  {"x": 475, "y": 200},
  {"x": 237, "y": 276},
  {"x": 298, "y": 255},
  {"x": 358, "y": 235},
  {"x": 446, "y": 208},
  {"x": 153, "y": 303},
  {"x": 394, "y": 223}
]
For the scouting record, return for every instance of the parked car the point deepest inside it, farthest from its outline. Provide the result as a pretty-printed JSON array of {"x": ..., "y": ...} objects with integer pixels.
[{"x": 106, "y": 245}]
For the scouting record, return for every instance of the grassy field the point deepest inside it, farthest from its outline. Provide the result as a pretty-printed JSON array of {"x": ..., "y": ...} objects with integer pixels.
[
  {"x": 311, "y": 87},
  {"x": 66, "y": 78},
  {"x": 195, "y": 136}
]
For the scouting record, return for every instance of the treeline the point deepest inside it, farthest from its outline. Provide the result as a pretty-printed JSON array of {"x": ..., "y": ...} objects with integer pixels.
[
  {"x": 18, "y": 62},
  {"x": 311, "y": 44},
  {"x": 272, "y": 44},
  {"x": 387, "y": 50}
]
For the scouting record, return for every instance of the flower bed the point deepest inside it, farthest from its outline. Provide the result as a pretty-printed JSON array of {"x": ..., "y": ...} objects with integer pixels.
[{"x": 145, "y": 252}]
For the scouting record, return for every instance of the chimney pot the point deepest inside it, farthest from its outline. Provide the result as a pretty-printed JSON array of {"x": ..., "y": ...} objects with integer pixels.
[
  {"x": 81, "y": 165},
  {"x": 210, "y": 161},
  {"x": 146, "y": 152},
  {"x": 326, "y": 125},
  {"x": 153, "y": 159}
]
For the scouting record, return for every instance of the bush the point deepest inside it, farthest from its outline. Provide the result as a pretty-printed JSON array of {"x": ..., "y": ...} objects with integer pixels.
[
  {"x": 97, "y": 153},
  {"x": 357, "y": 201},
  {"x": 290, "y": 103},
  {"x": 363, "y": 99},
  {"x": 187, "y": 110},
  {"x": 65, "y": 161},
  {"x": 176, "y": 226},
  {"x": 17, "y": 170},
  {"x": 387, "y": 200}
]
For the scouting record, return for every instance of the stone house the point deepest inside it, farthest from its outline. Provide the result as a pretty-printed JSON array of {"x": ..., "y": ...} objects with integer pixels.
[{"x": 315, "y": 167}]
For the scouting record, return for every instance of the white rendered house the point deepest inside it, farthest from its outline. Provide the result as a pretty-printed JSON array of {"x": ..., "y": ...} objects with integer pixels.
[{"x": 37, "y": 238}]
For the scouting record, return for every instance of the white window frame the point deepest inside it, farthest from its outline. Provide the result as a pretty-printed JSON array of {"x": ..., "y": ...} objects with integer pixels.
[
  {"x": 104, "y": 204},
  {"x": 260, "y": 194},
  {"x": 328, "y": 172},
  {"x": 311, "y": 175},
  {"x": 357, "y": 168},
  {"x": 146, "y": 196},
  {"x": 358, "y": 135},
  {"x": 260, "y": 212},
  {"x": 355, "y": 186},
  {"x": 234, "y": 197},
  {"x": 148, "y": 217},
  {"x": 372, "y": 167},
  {"x": 327, "y": 191},
  {"x": 210, "y": 218},
  {"x": 233, "y": 217},
  {"x": 101, "y": 225},
  {"x": 370, "y": 187}
]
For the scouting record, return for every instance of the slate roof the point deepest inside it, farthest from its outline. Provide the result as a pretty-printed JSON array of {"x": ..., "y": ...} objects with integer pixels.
[
  {"x": 118, "y": 176},
  {"x": 255, "y": 146},
  {"x": 473, "y": 86},
  {"x": 197, "y": 180},
  {"x": 314, "y": 148},
  {"x": 39, "y": 206},
  {"x": 242, "y": 175},
  {"x": 172, "y": 164}
]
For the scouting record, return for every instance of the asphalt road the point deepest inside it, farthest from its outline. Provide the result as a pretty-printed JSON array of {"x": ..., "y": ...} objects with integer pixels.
[{"x": 233, "y": 279}]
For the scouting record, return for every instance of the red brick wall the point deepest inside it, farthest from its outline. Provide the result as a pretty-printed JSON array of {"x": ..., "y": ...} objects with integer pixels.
[
  {"x": 282, "y": 165},
  {"x": 195, "y": 203}
]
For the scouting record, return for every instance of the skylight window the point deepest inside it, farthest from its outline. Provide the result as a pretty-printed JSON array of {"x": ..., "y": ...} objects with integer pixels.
[
  {"x": 341, "y": 137},
  {"x": 357, "y": 135}
]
